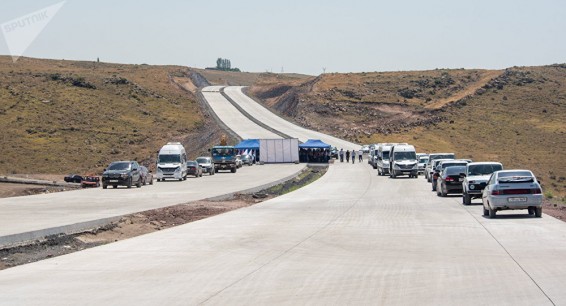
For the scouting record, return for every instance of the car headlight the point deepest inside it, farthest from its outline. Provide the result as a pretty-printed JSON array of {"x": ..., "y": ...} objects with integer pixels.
[
  {"x": 178, "y": 169},
  {"x": 472, "y": 187},
  {"x": 124, "y": 176}
]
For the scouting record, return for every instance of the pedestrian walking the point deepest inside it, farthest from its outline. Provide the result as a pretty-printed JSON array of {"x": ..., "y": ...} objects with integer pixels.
[
  {"x": 360, "y": 155},
  {"x": 341, "y": 153},
  {"x": 353, "y": 156},
  {"x": 347, "y": 156}
]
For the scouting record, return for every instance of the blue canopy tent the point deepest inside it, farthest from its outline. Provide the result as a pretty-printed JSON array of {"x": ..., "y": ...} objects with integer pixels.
[
  {"x": 248, "y": 144},
  {"x": 314, "y": 144},
  {"x": 314, "y": 150}
]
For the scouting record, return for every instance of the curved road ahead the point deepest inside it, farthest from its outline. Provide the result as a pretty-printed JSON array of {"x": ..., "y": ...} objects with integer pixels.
[{"x": 351, "y": 237}]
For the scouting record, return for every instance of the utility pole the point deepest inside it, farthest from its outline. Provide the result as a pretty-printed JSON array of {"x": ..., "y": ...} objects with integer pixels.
[{"x": 323, "y": 70}]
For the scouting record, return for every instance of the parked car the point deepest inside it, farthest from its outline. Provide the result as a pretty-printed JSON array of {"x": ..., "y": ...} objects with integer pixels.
[
  {"x": 73, "y": 178},
  {"x": 247, "y": 160},
  {"x": 423, "y": 159},
  {"x": 449, "y": 181},
  {"x": 365, "y": 149},
  {"x": 441, "y": 165},
  {"x": 90, "y": 182},
  {"x": 239, "y": 162},
  {"x": 146, "y": 175},
  {"x": 334, "y": 152},
  {"x": 122, "y": 173},
  {"x": 512, "y": 189},
  {"x": 206, "y": 164},
  {"x": 429, "y": 169},
  {"x": 193, "y": 168},
  {"x": 475, "y": 179},
  {"x": 403, "y": 161}
]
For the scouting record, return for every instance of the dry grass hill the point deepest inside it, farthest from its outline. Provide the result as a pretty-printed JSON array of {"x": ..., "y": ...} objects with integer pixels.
[
  {"x": 516, "y": 116},
  {"x": 60, "y": 116}
]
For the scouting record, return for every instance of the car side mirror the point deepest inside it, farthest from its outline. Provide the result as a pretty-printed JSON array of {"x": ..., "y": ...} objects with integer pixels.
[{"x": 462, "y": 175}]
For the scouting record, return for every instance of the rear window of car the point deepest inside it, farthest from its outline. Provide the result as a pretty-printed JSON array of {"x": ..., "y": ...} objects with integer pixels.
[
  {"x": 445, "y": 165},
  {"x": 455, "y": 170}
]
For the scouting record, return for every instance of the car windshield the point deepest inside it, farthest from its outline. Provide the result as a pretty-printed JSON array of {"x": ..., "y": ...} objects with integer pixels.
[
  {"x": 440, "y": 156},
  {"x": 119, "y": 166},
  {"x": 405, "y": 155},
  {"x": 222, "y": 152},
  {"x": 385, "y": 154},
  {"x": 423, "y": 160},
  {"x": 483, "y": 169},
  {"x": 191, "y": 163},
  {"x": 202, "y": 160},
  {"x": 169, "y": 158}
]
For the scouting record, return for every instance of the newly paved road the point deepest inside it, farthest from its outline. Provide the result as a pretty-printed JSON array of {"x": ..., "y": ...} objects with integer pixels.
[
  {"x": 21, "y": 215},
  {"x": 232, "y": 117},
  {"x": 352, "y": 237},
  {"x": 349, "y": 238},
  {"x": 267, "y": 117}
]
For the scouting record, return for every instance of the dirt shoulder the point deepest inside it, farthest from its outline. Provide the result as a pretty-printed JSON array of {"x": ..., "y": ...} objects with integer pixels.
[{"x": 147, "y": 222}]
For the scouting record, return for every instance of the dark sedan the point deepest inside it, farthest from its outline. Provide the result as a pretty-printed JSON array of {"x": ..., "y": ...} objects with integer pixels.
[
  {"x": 193, "y": 168},
  {"x": 73, "y": 178},
  {"x": 449, "y": 181}
]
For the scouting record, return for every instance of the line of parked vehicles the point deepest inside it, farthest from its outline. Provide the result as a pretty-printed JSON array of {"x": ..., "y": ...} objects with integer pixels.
[
  {"x": 499, "y": 189},
  {"x": 172, "y": 163}
]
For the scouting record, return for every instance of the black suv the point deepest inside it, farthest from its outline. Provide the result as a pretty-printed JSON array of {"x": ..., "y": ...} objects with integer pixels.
[{"x": 122, "y": 173}]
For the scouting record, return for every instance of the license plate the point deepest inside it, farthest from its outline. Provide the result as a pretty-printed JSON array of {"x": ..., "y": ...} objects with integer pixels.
[
  {"x": 113, "y": 181},
  {"x": 522, "y": 199}
]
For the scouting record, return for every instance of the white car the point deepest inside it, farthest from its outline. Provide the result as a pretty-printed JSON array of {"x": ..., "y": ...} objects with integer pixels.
[
  {"x": 512, "y": 189},
  {"x": 475, "y": 179}
]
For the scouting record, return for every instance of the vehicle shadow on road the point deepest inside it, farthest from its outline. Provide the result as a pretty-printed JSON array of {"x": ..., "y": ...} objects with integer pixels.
[{"x": 512, "y": 216}]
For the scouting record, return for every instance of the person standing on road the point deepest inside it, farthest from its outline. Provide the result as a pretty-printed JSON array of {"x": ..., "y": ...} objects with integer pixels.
[
  {"x": 341, "y": 153},
  {"x": 360, "y": 155},
  {"x": 347, "y": 156},
  {"x": 353, "y": 156}
]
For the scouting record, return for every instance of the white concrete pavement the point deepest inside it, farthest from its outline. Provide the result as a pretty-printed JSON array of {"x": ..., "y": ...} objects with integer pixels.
[
  {"x": 30, "y": 217},
  {"x": 350, "y": 238},
  {"x": 269, "y": 118},
  {"x": 233, "y": 118}
]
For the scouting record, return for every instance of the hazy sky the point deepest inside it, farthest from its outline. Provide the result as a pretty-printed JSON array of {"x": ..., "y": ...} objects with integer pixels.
[{"x": 302, "y": 36}]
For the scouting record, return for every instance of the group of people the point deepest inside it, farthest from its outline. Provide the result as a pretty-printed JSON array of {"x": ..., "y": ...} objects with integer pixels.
[
  {"x": 351, "y": 154},
  {"x": 314, "y": 155}
]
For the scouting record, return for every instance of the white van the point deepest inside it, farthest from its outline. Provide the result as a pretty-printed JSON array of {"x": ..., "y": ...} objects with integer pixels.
[
  {"x": 172, "y": 162},
  {"x": 403, "y": 161},
  {"x": 382, "y": 158}
]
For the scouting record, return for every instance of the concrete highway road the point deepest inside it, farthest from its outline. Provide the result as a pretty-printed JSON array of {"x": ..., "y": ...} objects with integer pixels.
[
  {"x": 64, "y": 211},
  {"x": 233, "y": 118},
  {"x": 267, "y": 117},
  {"x": 351, "y": 237}
]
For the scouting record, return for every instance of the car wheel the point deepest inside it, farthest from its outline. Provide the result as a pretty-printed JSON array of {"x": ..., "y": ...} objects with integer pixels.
[
  {"x": 466, "y": 199},
  {"x": 104, "y": 186},
  {"x": 443, "y": 193},
  {"x": 538, "y": 212},
  {"x": 129, "y": 185},
  {"x": 233, "y": 170},
  {"x": 139, "y": 183},
  {"x": 151, "y": 182},
  {"x": 114, "y": 186},
  {"x": 416, "y": 176},
  {"x": 531, "y": 210},
  {"x": 492, "y": 213},
  {"x": 485, "y": 211}
]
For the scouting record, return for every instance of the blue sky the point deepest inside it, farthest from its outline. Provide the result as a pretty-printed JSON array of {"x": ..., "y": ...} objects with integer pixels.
[{"x": 303, "y": 36}]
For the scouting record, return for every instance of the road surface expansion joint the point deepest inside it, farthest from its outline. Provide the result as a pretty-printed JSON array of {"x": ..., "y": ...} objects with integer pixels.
[
  {"x": 509, "y": 254},
  {"x": 360, "y": 197}
]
